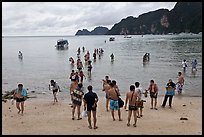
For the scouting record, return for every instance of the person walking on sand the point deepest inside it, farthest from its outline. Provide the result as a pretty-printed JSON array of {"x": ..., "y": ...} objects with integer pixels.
[
  {"x": 180, "y": 83},
  {"x": 90, "y": 104},
  {"x": 140, "y": 100},
  {"x": 77, "y": 96},
  {"x": 20, "y": 94},
  {"x": 55, "y": 88},
  {"x": 113, "y": 96},
  {"x": 170, "y": 92},
  {"x": 73, "y": 86},
  {"x": 106, "y": 87},
  {"x": 131, "y": 98},
  {"x": 153, "y": 88}
]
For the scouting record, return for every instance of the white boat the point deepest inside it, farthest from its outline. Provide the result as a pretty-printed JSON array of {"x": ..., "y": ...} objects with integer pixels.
[{"x": 62, "y": 44}]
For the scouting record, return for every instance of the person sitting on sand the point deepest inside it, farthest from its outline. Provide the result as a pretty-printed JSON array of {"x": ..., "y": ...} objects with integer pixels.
[
  {"x": 113, "y": 96},
  {"x": 20, "y": 94},
  {"x": 153, "y": 88},
  {"x": 55, "y": 88},
  {"x": 77, "y": 95},
  {"x": 90, "y": 104},
  {"x": 131, "y": 98}
]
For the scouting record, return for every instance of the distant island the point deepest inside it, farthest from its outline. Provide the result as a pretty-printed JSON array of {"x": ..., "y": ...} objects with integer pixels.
[
  {"x": 184, "y": 17},
  {"x": 97, "y": 31}
]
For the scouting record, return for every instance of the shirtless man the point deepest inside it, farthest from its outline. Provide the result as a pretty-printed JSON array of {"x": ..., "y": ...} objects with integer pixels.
[
  {"x": 113, "y": 96},
  {"x": 180, "y": 82},
  {"x": 131, "y": 97},
  {"x": 73, "y": 86},
  {"x": 106, "y": 88}
]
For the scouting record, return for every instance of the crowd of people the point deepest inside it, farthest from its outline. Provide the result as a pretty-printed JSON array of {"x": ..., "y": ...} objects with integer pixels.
[{"x": 134, "y": 100}]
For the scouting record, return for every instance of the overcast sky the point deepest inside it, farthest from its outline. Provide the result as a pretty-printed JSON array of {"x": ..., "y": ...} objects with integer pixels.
[{"x": 65, "y": 18}]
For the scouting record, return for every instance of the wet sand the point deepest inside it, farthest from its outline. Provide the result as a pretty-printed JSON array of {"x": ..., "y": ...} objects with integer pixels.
[{"x": 41, "y": 117}]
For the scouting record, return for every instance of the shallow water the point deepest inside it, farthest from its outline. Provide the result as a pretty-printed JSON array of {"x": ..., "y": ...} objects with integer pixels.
[{"x": 42, "y": 62}]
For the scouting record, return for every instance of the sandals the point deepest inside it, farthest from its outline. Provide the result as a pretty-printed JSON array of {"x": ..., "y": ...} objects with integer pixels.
[
  {"x": 128, "y": 125},
  {"x": 79, "y": 118},
  {"x": 90, "y": 127},
  {"x": 95, "y": 127},
  {"x": 134, "y": 125}
]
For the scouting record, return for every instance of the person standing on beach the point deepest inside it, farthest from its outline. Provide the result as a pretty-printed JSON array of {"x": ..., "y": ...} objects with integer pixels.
[
  {"x": 184, "y": 64},
  {"x": 170, "y": 92},
  {"x": 73, "y": 86},
  {"x": 54, "y": 86},
  {"x": 131, "y": 98},
  {"x": 20, "y": 94},
  {"x": 140, "y": 100},
  {"x": 90, "y": 104},
  {"x": 77, "y": 96},
  {"x": 106, "y": 87},
  {"x": 153, "y": 88},
  {"x": 180, "y": 83},
  {"x": 113, "y": 96}
]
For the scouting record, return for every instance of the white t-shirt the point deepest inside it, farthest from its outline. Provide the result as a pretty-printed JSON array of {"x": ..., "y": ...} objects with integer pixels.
[
  {"x": 184, "y": 64},
  {"x": 140, "y": 92}
]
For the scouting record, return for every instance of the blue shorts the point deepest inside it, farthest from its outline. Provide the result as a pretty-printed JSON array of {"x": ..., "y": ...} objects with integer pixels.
[{"x": 114, "y": 105}]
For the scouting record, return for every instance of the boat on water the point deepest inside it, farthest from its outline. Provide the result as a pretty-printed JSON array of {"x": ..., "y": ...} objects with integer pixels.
[
  {"x": 112, "y": 39},
  {"x": 62, "y": 44}
]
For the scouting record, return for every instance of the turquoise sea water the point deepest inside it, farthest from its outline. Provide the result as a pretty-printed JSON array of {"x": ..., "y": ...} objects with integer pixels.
[{"x": 42, "y": 62}]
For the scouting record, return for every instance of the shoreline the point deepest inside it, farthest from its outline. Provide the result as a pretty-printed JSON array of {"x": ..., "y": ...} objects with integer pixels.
[{"x": 41, "y": 117}]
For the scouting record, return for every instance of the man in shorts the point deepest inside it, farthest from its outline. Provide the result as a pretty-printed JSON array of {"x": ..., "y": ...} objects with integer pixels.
[
  {"x": 113, "y": 96},
  {"x": 90, "y": 104},
  {"x": 153, "y": 94},
  {"x": 131, "y": 98}
]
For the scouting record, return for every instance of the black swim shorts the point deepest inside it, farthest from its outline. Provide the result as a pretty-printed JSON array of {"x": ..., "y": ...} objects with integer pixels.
[
  {"x": 132, "y": 107},
  {"x": 20, "y": 99}
]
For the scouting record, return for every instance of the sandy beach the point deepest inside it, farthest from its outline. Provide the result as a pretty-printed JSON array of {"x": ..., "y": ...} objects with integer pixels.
[{"x": 41, "y": 117}]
